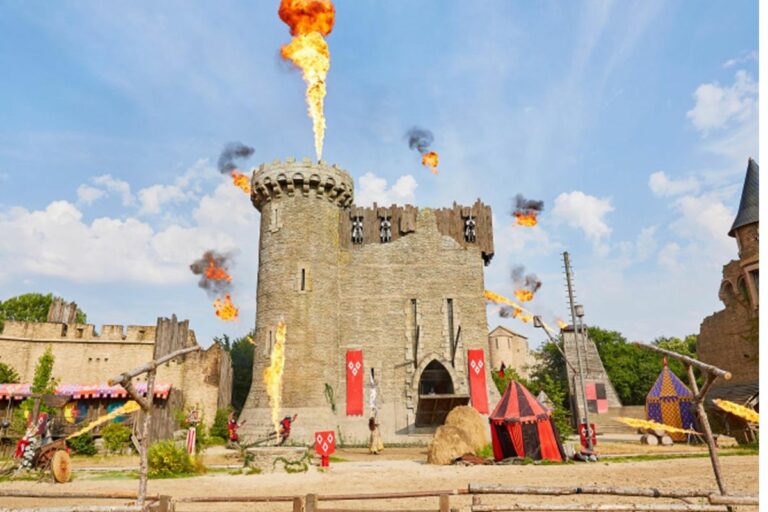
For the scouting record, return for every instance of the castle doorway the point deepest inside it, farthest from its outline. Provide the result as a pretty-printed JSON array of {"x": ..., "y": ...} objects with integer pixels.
[{"x": 436, "y": 395}]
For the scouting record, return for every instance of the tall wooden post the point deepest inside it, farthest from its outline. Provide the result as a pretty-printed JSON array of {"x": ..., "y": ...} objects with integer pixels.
[{"x": 704, "y": 422}]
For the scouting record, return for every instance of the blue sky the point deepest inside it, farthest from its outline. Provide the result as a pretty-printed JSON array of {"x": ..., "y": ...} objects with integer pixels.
[{"x": 632, "y": 121}]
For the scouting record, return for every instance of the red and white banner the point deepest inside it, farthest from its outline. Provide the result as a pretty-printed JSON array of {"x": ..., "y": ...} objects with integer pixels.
[
  {"x": 191, "y": 440},
  {"x": 477, "y": 388},
  {"x": 325, "y": 443},
  {"x": 355, "y": 382}
]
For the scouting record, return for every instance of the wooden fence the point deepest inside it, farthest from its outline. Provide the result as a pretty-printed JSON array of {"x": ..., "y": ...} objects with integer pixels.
[{"x": 686, "y": 500}]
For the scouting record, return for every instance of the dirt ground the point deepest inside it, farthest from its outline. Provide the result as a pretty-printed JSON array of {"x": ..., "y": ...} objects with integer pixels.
[{"x": 403, "y": 469}]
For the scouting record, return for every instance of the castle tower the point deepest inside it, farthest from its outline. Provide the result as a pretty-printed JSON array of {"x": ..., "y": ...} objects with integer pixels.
[
  {"x": 383, "y": 306},
  {"x": 300, "y": 205}
]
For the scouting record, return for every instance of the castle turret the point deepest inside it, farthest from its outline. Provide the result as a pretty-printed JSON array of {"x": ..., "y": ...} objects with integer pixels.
[{"x": 300, "y": 204}]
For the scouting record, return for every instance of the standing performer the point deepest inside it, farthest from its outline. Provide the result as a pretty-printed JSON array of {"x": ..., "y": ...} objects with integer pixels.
[
  {"x": 193, "y": 418},
  {"x": 232, "y": 426},
  {"x": 376, "y": 444}
]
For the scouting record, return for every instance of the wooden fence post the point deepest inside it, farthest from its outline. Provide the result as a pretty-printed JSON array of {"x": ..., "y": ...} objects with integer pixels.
[
  {"x": 444, "y": 503},
  {"x": 298, "y": 504},
  {"x": 311, "y": 504}
]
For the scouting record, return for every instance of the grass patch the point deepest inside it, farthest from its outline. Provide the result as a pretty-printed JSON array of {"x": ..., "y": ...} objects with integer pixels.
[
  {"x": 97, "y": 476},
  {"x": 731, "y": 452},
  {"x": 334, "y": 458}
]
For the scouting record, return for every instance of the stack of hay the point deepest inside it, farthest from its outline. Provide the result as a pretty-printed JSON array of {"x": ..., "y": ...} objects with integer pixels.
[
  {"x": 655, "y": 436},
  {"x": 465, "y": 431}
]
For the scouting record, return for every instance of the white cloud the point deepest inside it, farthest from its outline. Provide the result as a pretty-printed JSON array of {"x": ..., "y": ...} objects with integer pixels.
[
  {"x": 57, "y": 242},
  {"x": 372, "y": 188},
  {"x": 645, "y": 245},
  {"x": 703, "y": 217},
  {"x": 582, "y": 211},
  {"x": 117, "y": 186},
  {"x": 152, "y": 198},
  {"x": 87, "y": 194},
  {"x": 741, "y": 59},
  {"x": 663, "y": 185},
  {"x": 716, "y": 106},
  {"x": 668, "y": 256}
]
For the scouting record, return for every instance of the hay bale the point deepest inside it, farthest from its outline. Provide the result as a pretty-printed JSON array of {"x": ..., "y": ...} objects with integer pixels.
[
  {"x": 448, "y": 444},
  {"x": 475, "y": 427}
]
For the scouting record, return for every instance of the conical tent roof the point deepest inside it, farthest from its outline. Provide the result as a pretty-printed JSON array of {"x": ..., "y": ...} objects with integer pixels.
[
  {"x": 668, "y": 385},
  {"x": 749, "y": 206},
  {"x": 518, "y": 405}
]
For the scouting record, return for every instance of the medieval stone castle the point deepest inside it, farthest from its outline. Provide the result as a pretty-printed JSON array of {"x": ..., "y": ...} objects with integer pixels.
[{"x": 390, "y": 295}]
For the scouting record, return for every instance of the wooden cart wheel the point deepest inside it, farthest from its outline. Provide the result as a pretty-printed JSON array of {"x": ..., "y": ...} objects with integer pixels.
[{"x": 61, "y": 466}]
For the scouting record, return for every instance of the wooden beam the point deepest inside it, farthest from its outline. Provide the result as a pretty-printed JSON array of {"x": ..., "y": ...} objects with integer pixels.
[
  {"x": 717, "y": 499},
  {"x": 599, "y": 507},
  {"x": 714, "y": 370},
  {"x": 648, "y": 492},
  {"x": 704, "y": 424},
  {"x": 128, "y": 386},
  {"x": 150, "y": 365}
]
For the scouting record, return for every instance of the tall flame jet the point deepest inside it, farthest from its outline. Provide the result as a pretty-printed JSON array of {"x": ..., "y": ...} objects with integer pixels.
[
  {"x": 310, "y": 21},
  {"x": 273, "y": 375}
]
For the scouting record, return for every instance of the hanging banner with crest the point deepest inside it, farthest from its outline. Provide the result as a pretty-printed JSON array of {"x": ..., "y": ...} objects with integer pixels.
[
  {"x": 355, "y": 383},
  {"x": 477, "y": 388}
]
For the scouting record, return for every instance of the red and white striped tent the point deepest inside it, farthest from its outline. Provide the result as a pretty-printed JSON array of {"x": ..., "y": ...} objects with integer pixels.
[{"x": 522, "y": 427}]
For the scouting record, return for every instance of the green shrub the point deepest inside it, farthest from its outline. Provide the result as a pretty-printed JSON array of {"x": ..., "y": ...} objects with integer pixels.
[
  {"x": 219, "y": 427},
  {"x": 116, "y": 437},
  {"x": 166, "y": 459},
  {"x": 83, "y": 444},
  {"x": 486, "y": 451}
]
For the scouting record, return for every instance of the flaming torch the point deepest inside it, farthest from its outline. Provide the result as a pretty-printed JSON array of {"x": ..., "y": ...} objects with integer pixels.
[
  {"x": 310, "y": 21},
  {"x": 273, "y": 375}
]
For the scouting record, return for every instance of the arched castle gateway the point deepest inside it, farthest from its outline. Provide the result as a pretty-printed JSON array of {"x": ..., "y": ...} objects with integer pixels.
[{"x": 385, "y": 298}]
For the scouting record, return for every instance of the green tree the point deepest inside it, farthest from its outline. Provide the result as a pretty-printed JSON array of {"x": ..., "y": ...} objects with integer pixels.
[
  {"x": 241, "y": 352},
  {"x": 43, "y": 381},
  {"x": 7, "y": 374},
  {"x": 30, "y": 307}
]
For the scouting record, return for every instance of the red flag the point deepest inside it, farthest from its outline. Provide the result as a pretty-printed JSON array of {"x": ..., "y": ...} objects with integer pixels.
[
  {"x": 477, "y": 389},
  {"x": 354, "y": 383}
]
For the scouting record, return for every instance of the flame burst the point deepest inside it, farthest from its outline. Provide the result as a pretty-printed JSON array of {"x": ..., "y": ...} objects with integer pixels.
[
  {"x": 742, "y": 412},
  {"x": 527, "y": 219},
  {"x": 215, "y": 272},
  {"x": 273, "y": 375},
  {"x": 561, "y": 324},
  {"x": 128, "y": 407},
  {"x": 524, "y": 295},
  {"x": 226, "y": 310},
  {"x": 638, "y": 423},
  {"x": 310, "y": 21},
  {"x": 431, "y": 160},
  {"x": 241, "y": 181}
]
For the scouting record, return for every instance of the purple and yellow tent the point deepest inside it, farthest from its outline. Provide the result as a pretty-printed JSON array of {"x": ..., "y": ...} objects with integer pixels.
[{"x": 670, "y": 402}]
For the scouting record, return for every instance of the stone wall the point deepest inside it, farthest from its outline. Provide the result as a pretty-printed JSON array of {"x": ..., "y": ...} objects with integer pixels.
[
  {"x": 84, "y": 357},
  {"x": 510, "y": 348}
]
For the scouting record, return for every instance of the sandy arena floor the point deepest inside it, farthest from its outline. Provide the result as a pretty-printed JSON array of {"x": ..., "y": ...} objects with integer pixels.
[{"x": 402, "y": 470}]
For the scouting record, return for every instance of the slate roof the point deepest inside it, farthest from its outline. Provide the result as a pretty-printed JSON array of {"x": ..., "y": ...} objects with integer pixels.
[{"x": 749, "y": 206}]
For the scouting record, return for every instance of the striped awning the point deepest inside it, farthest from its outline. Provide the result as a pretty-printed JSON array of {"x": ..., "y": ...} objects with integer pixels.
[{"x": 77, "y": 391}]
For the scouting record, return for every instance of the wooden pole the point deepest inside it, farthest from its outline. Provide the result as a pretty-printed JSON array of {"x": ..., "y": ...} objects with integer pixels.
[
  {"x": 150, "y": 365},
  {"x": 445, "y": 504},
  {"x": 30, "y": 493},
  {"x": 717, "y": 499},
  {"x": 600, "y": 507},
  {"x": 79, "y": 508},
  {"x": 704, "y": 423},
  {"x": 144, "y": 455},
  {"x": 310, "y": 505},
  {"x": 648, "y": 492},
  {"x": 714, "y": 370}
]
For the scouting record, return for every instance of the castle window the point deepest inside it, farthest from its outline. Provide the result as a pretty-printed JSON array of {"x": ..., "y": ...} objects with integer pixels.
[
  {"x": 303, "y": 279},
  {"x": 142, "y": 332},
  {"x": 64, "y": 330},
  {"x": 79, "y": 333},
  {"x": 755, "y": 280},
  {"x": 449, "y": 312},
  {"x": 742, "y": 286},
  {"x": 497, "y": 342}
]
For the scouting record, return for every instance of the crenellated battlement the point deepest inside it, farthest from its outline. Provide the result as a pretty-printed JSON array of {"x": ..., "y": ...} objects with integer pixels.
[
  {"x": 306, "y": 177},
  {"x": 56, "y": 331}
]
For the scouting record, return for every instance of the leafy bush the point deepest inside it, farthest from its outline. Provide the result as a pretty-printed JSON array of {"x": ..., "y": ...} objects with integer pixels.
[
  {"x": 167, "y": 460},
  {"x": 486, "y": 451},
  {"x": 83, "y": 444},
  {"x": 116, "y": 437},
  {"x": 219, "y": 427}
]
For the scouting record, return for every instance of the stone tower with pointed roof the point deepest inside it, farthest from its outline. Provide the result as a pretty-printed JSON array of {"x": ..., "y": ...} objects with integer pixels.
[{"x": 730, "y": 338}]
